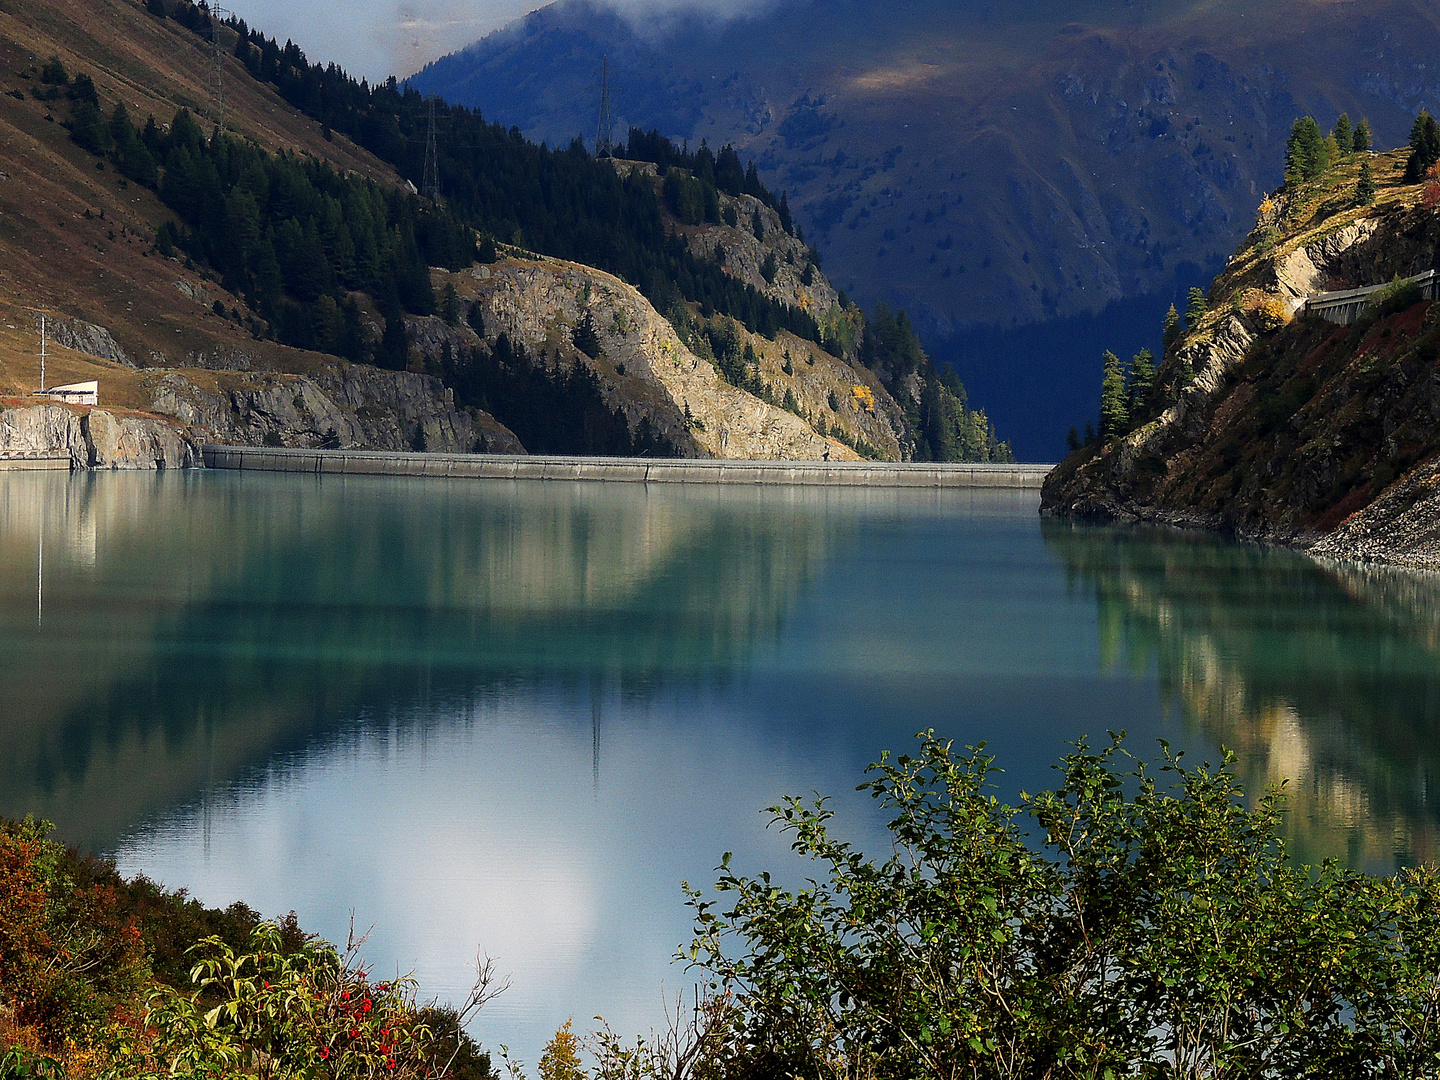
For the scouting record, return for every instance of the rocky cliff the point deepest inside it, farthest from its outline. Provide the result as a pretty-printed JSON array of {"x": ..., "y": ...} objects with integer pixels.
[
  {"x": 646, "y": 371},
  {"x": 338, "y": 406},
  {"x": 96, "y": 438},
  {"x": 1295, "y": 430},
  {"x": 157, "y": 418}
]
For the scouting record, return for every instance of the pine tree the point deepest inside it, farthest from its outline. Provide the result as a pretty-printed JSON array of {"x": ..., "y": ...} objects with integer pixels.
[
  {"x": 1142, "y": 381},
  {"x": 1196, "y": 308},
  {"x": 1361, "y": 142},
  {"x": 450, "y": 305},
  {"x": 1332, "y": 150},
  {"x": 1344, "y": 134},
  {"x": 1365, "y": 186},
  {"x": 1305, "y": 156},
  {"x": 1424, "y": 147},
  {"x": 1114, "y": 403},
  {"x": 1172, "y": 327}
]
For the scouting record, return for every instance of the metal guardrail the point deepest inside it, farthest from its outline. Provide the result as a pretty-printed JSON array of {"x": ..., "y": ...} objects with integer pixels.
[
  {"x": 631, "y": 470},
  {"x": 1344, "y": 306},
  {"x": 33, "y": 460}
]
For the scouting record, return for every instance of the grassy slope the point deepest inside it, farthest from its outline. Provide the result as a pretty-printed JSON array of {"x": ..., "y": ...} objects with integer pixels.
[{"x": 58, "y": 254}]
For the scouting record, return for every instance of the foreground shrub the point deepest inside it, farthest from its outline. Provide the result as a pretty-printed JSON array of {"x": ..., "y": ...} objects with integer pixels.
[
  {"x": 1150, "y": 927},
  {"x": 112, "y": 978},
  {"x": 311, "y": 1012}
]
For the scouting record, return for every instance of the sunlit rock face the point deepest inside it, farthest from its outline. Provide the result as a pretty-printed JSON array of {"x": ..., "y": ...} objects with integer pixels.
[{"x": 647, "y": 372}]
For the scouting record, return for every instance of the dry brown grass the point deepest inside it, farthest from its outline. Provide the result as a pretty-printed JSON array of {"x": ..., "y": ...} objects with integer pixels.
[{"x": 77, "y": 240}]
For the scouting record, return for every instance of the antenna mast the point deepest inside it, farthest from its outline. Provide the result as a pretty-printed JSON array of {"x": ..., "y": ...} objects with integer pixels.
[
  {"x": 430, "y": 182},
  {"x": 217, "y": 68},
  {"x": 42, "y": 353},
  {"x": 605, "y": 130}
]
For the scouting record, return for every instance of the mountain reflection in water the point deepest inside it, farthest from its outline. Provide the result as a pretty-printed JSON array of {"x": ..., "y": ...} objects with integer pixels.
[
  {"x": 1326, "y": 676},
  {"x": 192, "y": 630}
]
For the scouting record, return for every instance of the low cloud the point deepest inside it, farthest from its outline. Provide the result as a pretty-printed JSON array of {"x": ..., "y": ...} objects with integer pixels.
[{"x": 379, "y": 38}]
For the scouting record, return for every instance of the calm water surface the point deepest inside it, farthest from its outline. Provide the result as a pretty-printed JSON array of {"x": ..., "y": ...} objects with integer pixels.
[{"x": 516, "y": 716}]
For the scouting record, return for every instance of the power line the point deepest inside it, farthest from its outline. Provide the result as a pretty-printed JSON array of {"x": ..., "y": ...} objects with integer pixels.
[
  {"x": 430, "y": 181},
  {"x": 605, "y": 130},
  {"x": 217, "y": 68}
]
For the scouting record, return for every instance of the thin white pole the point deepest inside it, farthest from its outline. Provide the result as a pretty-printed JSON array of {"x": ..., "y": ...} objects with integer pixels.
[{"x": 42, "y": 354}]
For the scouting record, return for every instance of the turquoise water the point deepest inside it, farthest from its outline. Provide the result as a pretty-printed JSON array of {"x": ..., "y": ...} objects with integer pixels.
[{"x": 515, "y": 716}]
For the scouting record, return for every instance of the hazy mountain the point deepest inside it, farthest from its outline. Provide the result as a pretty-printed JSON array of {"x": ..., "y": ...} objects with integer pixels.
[{"x": 987, "y": 165}]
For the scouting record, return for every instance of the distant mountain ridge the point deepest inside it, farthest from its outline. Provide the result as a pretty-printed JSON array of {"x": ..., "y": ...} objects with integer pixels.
[{"x": 982, "y": 164}]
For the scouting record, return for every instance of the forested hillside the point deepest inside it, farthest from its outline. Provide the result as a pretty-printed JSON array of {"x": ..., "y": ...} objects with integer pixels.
[
  {"x": 1276, "y": 422},
  {"x": 331, "y": 260},
  {"x": 1005, "y": 172}
]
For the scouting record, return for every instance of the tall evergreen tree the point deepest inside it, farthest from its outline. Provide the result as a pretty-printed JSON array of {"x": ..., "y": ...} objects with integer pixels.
[
  {"x": 1196, "y": 307},
  {"x": 1142, "y": 382},
  {"x": 1424, "y": 147},
  {"x": 1172, "y": 327},
  {"x": 1365, "y": 186},
  {"x": 1344, "y": 134},
  {"x": 1305, "y": 156},
  {"x": 1114, "y": 401},
  {"x": 1361, "y": 140}
]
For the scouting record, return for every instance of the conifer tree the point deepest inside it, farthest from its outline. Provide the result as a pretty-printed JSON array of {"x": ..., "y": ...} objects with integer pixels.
[
  {"x": 1114, "y": 402},
  {"x": 1344, "y": 134},
  {"x": 1196, "y": 308},
  {"x": 1361, "y": 141},
  {"x": 1365, "y": 186},
  {"x": 1172, "y": 327},
  {"x": 1424, "y": 147},
  {"x": 1331, "y": 150},
  {"x": 1305, "y": 152},
  {"x": 1142, "y": 381}
]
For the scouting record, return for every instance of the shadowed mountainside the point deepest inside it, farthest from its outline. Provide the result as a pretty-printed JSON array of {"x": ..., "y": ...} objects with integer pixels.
[{"x": 983, "y": 164}]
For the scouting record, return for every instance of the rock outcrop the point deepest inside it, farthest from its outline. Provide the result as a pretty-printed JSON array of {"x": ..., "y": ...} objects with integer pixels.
[
  {"x": 342, "y": 406},
  {"x": 1295, "y": 431},
  {"x": 96, "y": 438},
  {"x": 643, "y": 368},
  {"x": 89, "y": 339}
]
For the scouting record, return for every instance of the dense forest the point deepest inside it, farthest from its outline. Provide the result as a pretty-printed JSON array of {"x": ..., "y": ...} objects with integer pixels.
[
  {"x": 299, "y": 240},
  {"x": 561, "y": 202}
]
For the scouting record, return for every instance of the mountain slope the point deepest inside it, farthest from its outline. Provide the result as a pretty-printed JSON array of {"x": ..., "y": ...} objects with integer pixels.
[
  {"x": 985, "y": 165},
  {"x": 298, "y": 252},
  {"x": 1299, "y": 431},
  {"x": 78, "y": 245}
]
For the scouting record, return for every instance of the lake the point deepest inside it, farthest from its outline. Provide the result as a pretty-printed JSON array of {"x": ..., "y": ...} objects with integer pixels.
[{"x": 515, "y": 716}]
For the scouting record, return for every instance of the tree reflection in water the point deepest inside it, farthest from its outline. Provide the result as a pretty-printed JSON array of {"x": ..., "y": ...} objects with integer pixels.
[{"x": 1324, "y": 675}]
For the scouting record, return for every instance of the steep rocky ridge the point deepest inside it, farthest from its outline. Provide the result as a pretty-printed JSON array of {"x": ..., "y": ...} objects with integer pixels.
[
  {"x": 976, "y": 162},
  {"x": 646, "y": 371},
  {"x": 744, "y": 246},
  {"x": 1295, "y": 430}
]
